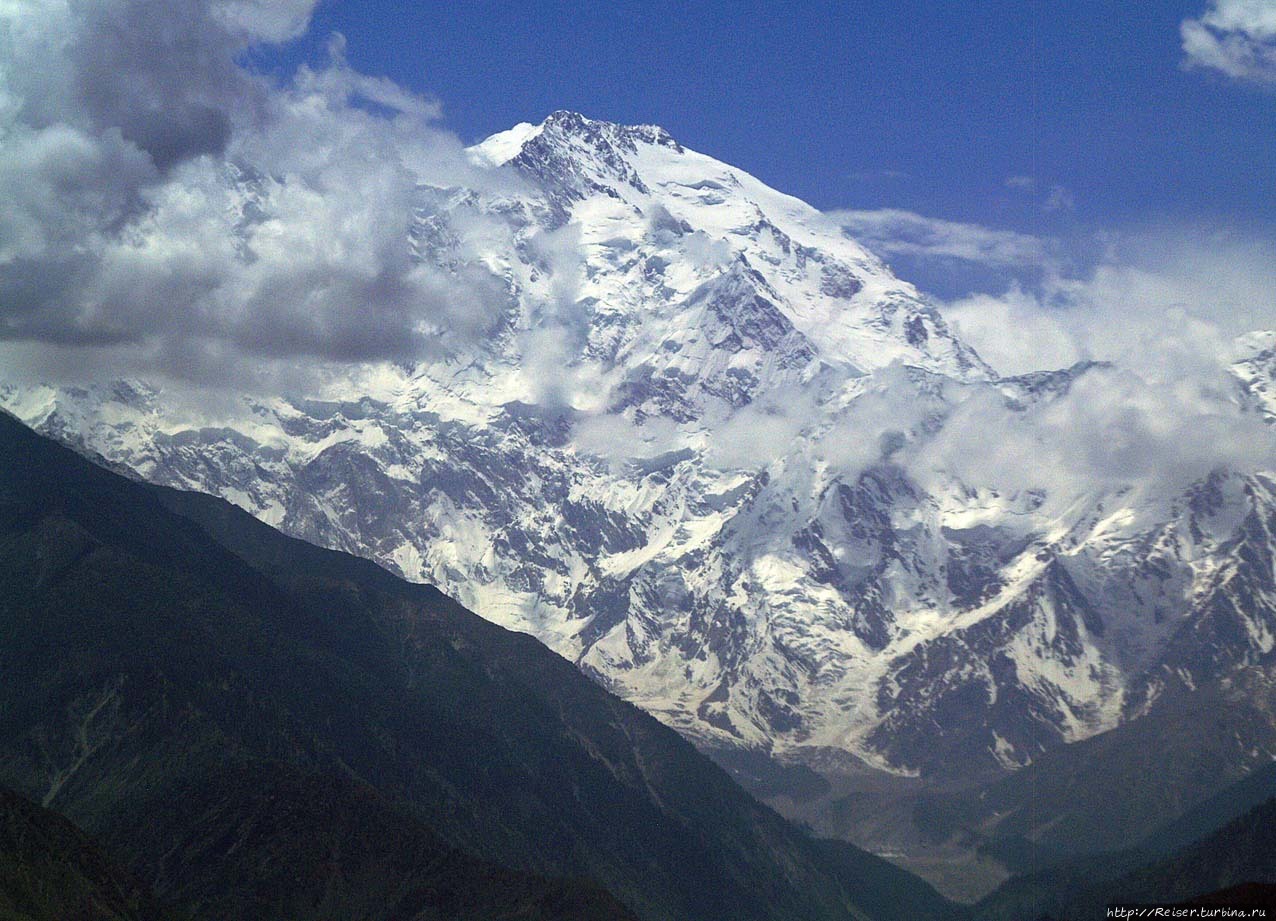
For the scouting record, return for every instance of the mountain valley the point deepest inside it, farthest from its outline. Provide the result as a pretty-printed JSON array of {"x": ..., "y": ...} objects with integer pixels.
[{"x": 712, "y": 451}]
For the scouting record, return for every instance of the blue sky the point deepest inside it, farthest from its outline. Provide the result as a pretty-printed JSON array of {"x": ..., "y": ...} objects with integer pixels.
[{"x": 927, "y": 107}]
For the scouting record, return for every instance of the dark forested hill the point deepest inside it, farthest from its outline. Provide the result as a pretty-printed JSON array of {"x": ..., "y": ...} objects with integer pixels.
[
  {"x": 258, "y": 728},
  {"x": 51, "y": 871},
  {"x": 1239, "y": 857}
]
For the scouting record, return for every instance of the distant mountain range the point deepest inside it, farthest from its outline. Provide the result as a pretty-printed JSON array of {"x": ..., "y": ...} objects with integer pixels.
[
  {"x": 700, "y": 457},
  {"x": 250, "y": 727}
]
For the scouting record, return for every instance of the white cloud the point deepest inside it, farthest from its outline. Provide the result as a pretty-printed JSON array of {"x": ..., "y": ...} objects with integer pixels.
[
  {"x": 1163, "y": 309},
  {"x": 267, "y": 20},
  {"x": 1154, "y": 296},
  {"x": 619, "y": 441},
  {"x": 877, "y": 175},
  {"x": 1234, "y": 37},
  {"x": 1140, "y": 288},
  {"x": 1115, "y": 428},
  {"x": 1014, "y": 331},
  {"x": 166, "y": 209},
  {"x": 1160, "y": 307},
  {"x": 746, "y": 438},
  {"x": 1059, "y": 199},
  {"x": 892, "y": 232}
]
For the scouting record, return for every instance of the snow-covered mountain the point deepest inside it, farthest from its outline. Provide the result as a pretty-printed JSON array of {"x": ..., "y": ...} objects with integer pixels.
[{"x": 705, "y": 454}]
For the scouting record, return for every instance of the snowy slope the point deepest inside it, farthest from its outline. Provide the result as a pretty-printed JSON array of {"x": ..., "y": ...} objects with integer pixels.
[{"x": 693, "y": 457}]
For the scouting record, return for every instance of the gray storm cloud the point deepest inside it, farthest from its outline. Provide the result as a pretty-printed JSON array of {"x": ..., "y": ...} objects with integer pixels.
[{"x": 164, "y": 202}]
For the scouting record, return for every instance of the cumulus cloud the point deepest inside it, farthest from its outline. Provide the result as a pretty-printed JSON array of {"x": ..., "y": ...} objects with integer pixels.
[
  {"x": 1115, "y": 428},
  {"x": 1234, "y": 37},
  {"x": 891, "y": 232},
  {"x": 1153, "y": 297},
  {"x": 168, "y": 209},
  {"x": 1158, "y": 308},
  {"x": 746, "y": 438},
  {"x": 1162, "y": 311},
  {"x": 1116, "y": 296},
  {"x": 1157, "y": 425}
]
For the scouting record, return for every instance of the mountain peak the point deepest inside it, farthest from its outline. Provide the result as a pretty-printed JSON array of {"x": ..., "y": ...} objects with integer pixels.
[
  {"x": 564, "y": 127},
  {"x": 589, "y": 129}
]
